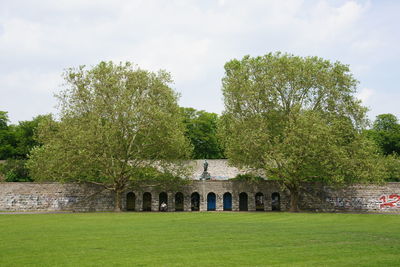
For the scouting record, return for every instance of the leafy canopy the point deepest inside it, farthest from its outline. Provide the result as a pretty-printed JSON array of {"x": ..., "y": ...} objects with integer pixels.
[
  {"x": 386, "y": 133},
  {"x": 297, "y": 119},
  {"x": 17, "y": 140},
  {"x": 117, "y": 123},
  {"x": 201, "y": 129}
]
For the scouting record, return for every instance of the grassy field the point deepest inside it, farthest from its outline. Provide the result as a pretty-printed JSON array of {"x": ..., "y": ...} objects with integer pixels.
[{"x": 199, "y": 239}]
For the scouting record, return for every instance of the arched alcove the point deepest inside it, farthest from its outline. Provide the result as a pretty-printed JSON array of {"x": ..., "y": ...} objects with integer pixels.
[
  {"x": 195, "y": 201},
  {"x": 227, "y": 199},
  {"x": 243, "y": 203},
  {"x": 179, "y": 201},
  {"x": 211, "y": 201},
  {"x": 130, "y": 201},
  {"x": 163, "y": 198},
  {"x": 147, "y": 201},
  {"x": 259, "y": 199},
  {"x": 276, "y": 201}
]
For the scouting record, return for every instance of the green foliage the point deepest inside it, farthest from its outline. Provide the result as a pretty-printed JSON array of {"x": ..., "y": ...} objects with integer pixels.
[
  {"x": 25, "y": 133},
  {"x": 7, "y": 138},
  {"x": 386, "y": 133},
  {"x": 16, "y": 141},
  {"x": 392, "y": 166},
  {"x": 297, "y": 120},
  {"x": 247, "y": 177},
  {"x": 14, "y": 170},
  {"x": 115, "y": 121},
  {"x": 201, "y": 129},
  {"x": 161, "y": 180},
  {"x": 3, "y": 120}
]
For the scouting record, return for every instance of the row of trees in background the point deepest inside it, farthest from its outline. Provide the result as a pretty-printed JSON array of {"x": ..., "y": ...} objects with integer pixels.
[
  {"x": 201, "y": 128},
  {"x": 294, "y": 118},
  {"x": 385, "y": 132},
  {"x": 16, "y": 141}
]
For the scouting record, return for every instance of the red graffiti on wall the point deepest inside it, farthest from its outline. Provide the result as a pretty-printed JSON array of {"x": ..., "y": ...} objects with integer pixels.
[{"x": 390, "y": 201}]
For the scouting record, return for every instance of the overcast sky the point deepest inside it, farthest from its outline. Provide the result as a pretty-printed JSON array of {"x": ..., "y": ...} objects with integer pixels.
[{"x": 192, "y": 40}]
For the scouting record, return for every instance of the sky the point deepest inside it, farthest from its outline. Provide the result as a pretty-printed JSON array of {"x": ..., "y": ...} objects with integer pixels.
[{"x": 192, "y": 40}]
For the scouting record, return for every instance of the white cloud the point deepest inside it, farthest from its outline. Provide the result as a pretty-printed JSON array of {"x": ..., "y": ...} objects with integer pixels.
[
  {"x": 191, "y": 39},
  {"x": 364, "y": 95}
]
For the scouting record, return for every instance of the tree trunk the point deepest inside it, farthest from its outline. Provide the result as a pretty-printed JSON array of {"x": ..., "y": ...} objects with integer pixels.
[
  {"x": 118, "y": 204},
  {"x": 294, "y": 201}
]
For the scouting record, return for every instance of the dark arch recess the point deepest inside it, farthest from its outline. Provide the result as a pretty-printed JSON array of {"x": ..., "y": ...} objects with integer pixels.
[
  {"x": 179, "y": 201},
  {"x": 147, "y": 201},
  {"x": 243, "y": 202},
  {"x": 195, "y": 201},
  {"x": 130, "y": 201}
]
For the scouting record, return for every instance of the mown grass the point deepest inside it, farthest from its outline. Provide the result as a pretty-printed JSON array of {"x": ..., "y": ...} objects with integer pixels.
[{"x": 199, "y": 239}]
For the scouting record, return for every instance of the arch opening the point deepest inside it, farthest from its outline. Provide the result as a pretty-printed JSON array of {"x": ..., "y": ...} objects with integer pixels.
[
  {"x": 130, "y": 201},
  {"x": 163, "y": 202},
  {"x": 146, "y": 202},
  {"x": 276, "y": 201},
  {"x": 211, "y": 201},
  {"x": 259, "y": 198},
  {"x": 243, "y": 205},
  {"x": 179, "y": 201},
  {"x": 195, "y": 201},
  {"x": 227, "y": 199}
]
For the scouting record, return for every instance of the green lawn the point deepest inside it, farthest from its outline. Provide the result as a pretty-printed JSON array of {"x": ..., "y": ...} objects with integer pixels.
[{"x": 199, "y": 239}]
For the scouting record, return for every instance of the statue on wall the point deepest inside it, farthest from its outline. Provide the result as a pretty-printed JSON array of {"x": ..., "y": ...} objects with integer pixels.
[
  {"x": 205, "y": 175},
  {"x": 205, "y": 165}
]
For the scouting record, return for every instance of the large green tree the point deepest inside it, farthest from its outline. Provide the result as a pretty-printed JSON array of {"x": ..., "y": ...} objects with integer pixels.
[
  {"x": 297, "y": 120},
  {"x": 201, "y": 129},
  {"x": 117, "y": 124}
]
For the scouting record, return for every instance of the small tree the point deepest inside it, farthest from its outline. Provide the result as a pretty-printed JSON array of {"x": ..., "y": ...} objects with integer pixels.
[
  {"x": 297, "y": 119},
  {"x": 118, "y": 124}
]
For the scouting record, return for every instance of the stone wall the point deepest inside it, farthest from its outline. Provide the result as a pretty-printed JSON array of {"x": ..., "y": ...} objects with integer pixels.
[
  {"x": 86, "y": 197},
  {"x": 54, "y": 197},
  {"x": 356, "y": 198}
]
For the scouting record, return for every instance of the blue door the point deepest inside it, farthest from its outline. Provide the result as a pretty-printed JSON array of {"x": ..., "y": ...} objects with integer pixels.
[
  {"x": 227, "y": 201},
  {"x": 211, "y": 201}
]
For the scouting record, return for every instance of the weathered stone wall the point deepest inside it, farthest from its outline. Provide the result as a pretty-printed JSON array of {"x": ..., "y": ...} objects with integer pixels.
[
  {"x": 86, "y": 197},
  {"x": 54, "y": 197},
  {"x": 356, "y": 198}
]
